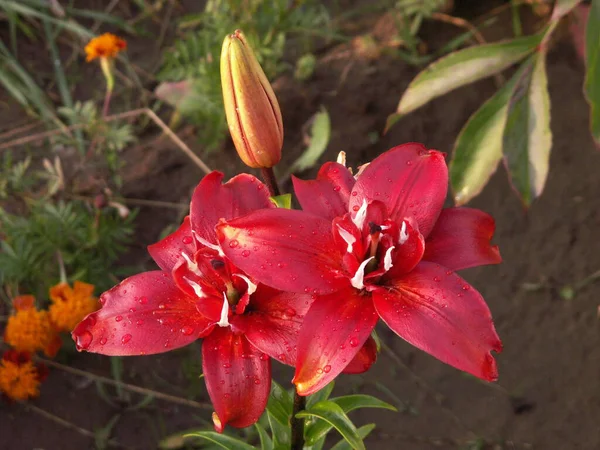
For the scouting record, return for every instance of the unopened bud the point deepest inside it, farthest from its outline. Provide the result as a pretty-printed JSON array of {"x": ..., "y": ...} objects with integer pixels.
[{"x": 252, "y": 110}]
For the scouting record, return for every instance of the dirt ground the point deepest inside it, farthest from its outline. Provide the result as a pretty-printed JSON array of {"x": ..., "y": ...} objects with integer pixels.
[{"x": 547, "y": 396}]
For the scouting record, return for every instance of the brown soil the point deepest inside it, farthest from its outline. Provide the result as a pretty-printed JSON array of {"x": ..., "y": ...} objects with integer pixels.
[{"x": 548, "y": 391}]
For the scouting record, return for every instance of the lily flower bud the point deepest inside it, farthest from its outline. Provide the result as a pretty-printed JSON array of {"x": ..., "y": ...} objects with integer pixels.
[{"x": 252, "y": 110}]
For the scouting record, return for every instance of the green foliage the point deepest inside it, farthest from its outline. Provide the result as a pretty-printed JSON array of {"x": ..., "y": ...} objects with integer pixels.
[
  {"x": 592, "y": 61},
  {"x": 195, "y": 56},
  {"x": 320, "y": 133}
]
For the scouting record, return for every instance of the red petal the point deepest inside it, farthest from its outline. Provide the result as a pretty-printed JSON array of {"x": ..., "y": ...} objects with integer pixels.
[
  {"x": 364, "y": 359},
  {"x": 213, "y": 201},
  {"x": 411, "y": 180},
  {"x": 285, "y": 249},
  {"x": 461, "y": 239},
  {"x": 334, "y": 331},
  {"x": 167, "y": 252},
  {"x": 238, "y": 378},
  {"x": 145, "y": 314},
  {"x": 327, "y": 196},
  {"x": 408, "y": 254},
  {"x": 437, "y": 311},
  {"x": 273, "y": 322}
]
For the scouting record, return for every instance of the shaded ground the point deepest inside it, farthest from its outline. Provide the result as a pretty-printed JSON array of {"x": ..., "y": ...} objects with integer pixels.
[{"x": 548, "y": 393}]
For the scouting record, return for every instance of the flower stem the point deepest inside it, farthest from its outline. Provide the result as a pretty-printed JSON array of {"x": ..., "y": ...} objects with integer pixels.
[
  {"x": 296, "y": 423},
  {"x": 270, "y": 180},
  {"x": 106, "y": 105}
]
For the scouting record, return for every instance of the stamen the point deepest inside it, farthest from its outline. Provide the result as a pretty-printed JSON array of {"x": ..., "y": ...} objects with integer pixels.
[
  {"x": 251, "y": 285},
  {"x": 358, "y": 278},
  {"x": 224, "y": 322},
  {"x": 361, "y": 215},
  {"x": 208, "y": 244},
  {"x": 403, "y": 233},
  {"x": 346, "y": 236},
  {"x": 192, "y": 266},
  {"x": 341, "y": 158},
  {"x": 387, "y": 259},
  {"x": 196, "y": 287}
]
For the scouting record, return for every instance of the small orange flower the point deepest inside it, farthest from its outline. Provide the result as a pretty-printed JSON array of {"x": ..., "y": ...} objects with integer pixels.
[
  {"x": 71, "y": 305},
  {"x": 30, "y": 330},
  {"x": 106, "y": 46},
  {"x": 19, "y": 377}
]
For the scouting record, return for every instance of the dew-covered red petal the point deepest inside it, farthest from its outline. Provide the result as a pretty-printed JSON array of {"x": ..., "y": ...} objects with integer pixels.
[
  {"x": 167, "y": 252},
  {"x": 411, "y": 180},
  {"x": 286, "y": 249},
  {"x": 212, "y": 201},
  {"x": 143, "y": 315},
  {"x": 364, "y": 359},
  {"x": 438, "y": 312},
  {"x": 461, "y": 239},
  {"x": 327, "y": 195},
  {"x": 272, "y": 322},
  {"x": 334, "y": 331},
  {"x": 408, "y": 251},
  {"x": 238, "y": 378}
]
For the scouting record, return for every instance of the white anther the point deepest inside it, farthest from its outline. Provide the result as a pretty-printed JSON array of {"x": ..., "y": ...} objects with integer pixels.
[
  {"x": 251, "y": 285},
  {"x": 196, "y": 287},
  {"x": 358, "y": 278},
  {"x": 341, "y": 158},
  {"x": 361, "y": 215},
  {"x": 224, "y": 322},
  {"x": 387, "y": 259},
  {"x": 403, "y": 233},
  {"x": 346, "y": 236},
  {"x": 204, "y": 242}
]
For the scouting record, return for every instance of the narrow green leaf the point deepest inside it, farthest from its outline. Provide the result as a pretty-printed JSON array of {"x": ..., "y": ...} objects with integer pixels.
[
  {"x": 280, "y": 404},
  {"x": 281, "y": 433},
  {"x": 363, "y": 432},
  {"x": 478, "y": 148},
  {"x": 320, "y": 133},
  {"x": 283, "y": 201},
  {"x": 323, "y": 394},
  {"x": 222, "y": 440},
  {"x": 462, "y": 68},
  {"x": 527, "y": 138},
  {"x": 562, "y": 8},
  {"x": 592, "y": 64},
  {"x": 265, "y": 440},
  {"x": 333, "y": 414}
]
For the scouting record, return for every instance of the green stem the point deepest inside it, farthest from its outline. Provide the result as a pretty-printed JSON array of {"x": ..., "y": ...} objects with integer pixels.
[
  {"x": 297, "y": 424},
  {"x": 270, "y": 180}
]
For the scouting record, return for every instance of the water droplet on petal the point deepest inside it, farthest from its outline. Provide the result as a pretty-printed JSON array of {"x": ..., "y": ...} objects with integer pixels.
[
  {"x": 143, "y": 300},
  {"x": 234, "y": 243},
  {"x": 125, "y": 339},
  {"x": 84, "y": 340},
  {"x": 245, "y": 253},
  {"x": 187, "y": 330},
  {"x": 327, "y": 368},
  {"x": 354, "y": 342},
  {"x": 118, "y": 318},
  {"x": 187, "y": 240},
  {"x": 264, "y": 357},
  {"x": 103, "y": 341}
]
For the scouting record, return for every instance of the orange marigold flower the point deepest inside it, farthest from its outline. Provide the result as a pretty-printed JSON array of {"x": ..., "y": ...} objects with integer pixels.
[
  {"x": 30, "y": 330},
  {"x": 71, "y": 305},
  {"x": 19, "y": 379},
  {"x": 106, "y": 46}
]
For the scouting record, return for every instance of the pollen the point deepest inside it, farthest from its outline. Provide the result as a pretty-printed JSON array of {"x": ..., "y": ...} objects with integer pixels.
[
  {"x": 30, "y": 330},
  {"x": 105, "y": 46},
  {"x": 19, "y": 381},
  {"x": 71, "y": 305}
]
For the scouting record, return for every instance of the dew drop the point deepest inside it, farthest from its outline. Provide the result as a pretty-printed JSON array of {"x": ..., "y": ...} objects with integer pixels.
[
  {"x": 319, "y": 371},
  {"x": 466, "y": 287},
  {"x": 409, "y": 163},
  {"x": 226, "y": 366},
  {"x": 139, "y": 322},
  {"x": 84, "y": 340},
  {"x": 103, "y": 341},
  {"x": 234, "y": 243},
  {"x": 355, "y": 208},
  {"x": 143, "y": 300},
  {"x": 337, "y": 188},
  {"x": 354, "y": 193},
  {"x": 245, "y": 253},
  {"x": 437, "y": 279},
  {"x": 264, "y": 357},
  {"x": 187, "y": 240},
  {"x": 327, "y": 368},
  {"x": 125, "y": 339},
  {"x": 187, "y": 330},
  {"x": 354, "y": 342},
  {"x": 256, "y": 381},
  {"x": 118, "y": 318}
]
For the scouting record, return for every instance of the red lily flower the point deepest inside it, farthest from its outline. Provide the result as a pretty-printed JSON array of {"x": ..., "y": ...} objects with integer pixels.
[
  {"x": 199, "y": 293},
  {"x": 376, "y": 247}
]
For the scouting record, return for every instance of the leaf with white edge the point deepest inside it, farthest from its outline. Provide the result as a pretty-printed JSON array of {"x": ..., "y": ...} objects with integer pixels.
[
  {"x": 478, "y": 148},
  {"x": 283, "y": 201},
  {"x": 320, "y": 133},
  {"x": 333, "y": 414},
  {"x": 592, "y": 64},
  {"x": 348, "y": 403},
  {"x": 318, "y": 396},
  {"x": 222, "y": 440},
  {"x": 562, "y": 8},
  {"x": 181, "y": 95},
  {"x": 363, "y": 432},
  {"x": 266, "y": 443},
  {"x": 527, "y": 138},
  {"x": 461, "y": 68}
]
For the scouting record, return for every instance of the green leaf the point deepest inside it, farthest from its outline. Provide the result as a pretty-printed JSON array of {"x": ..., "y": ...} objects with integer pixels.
[
  {"x": 462, "y": 68},
  {"x": 363, "y": 432},
  {"x": 222, "y": 440},
  {"x": 592, "y": 64},
  {"x": 348, "y": 403},
  {"x": 283, "y": 201},
  {"x": 279, "y": 410},
  {"x": 527, "y": 138},
  {"x": 323, "y": 394},
  {"x": 265, "y": 440},
  {"x": 320, "y": 133},
  {"x": 478, "y": 148},
  {"x": 333, "y": 414}
]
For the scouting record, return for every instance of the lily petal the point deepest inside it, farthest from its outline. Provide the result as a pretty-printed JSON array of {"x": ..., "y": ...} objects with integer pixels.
[
  {"x": 238, "y": 378},
  {"x": 364, "y": 359},
  {"x": 334, "y": 331},
  {"x": 169, "y": 251},
  {"x": 143, "y": 315},
  {"x": 461, "y": 239},
  {"x": 412, "y": 182},
  {"x": 273, "y": 322},
  {"x": 212, "y": 201},
  {"x": 438, "y": 312},
  {"x": 286, "y": 249},
  {"x": 408, "y": 252},
  {"x": 327, "y": 196}
]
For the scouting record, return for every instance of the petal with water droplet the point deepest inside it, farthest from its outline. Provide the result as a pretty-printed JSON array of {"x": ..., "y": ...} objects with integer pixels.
[
  {"x": 364, "y": 359},
  {"x": 168, "y": 251}
]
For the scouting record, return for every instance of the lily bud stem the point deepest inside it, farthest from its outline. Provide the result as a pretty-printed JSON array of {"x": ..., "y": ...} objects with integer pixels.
[
  {"x": 297, "y": 424},
  {"x": 269, "y": 178}
]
